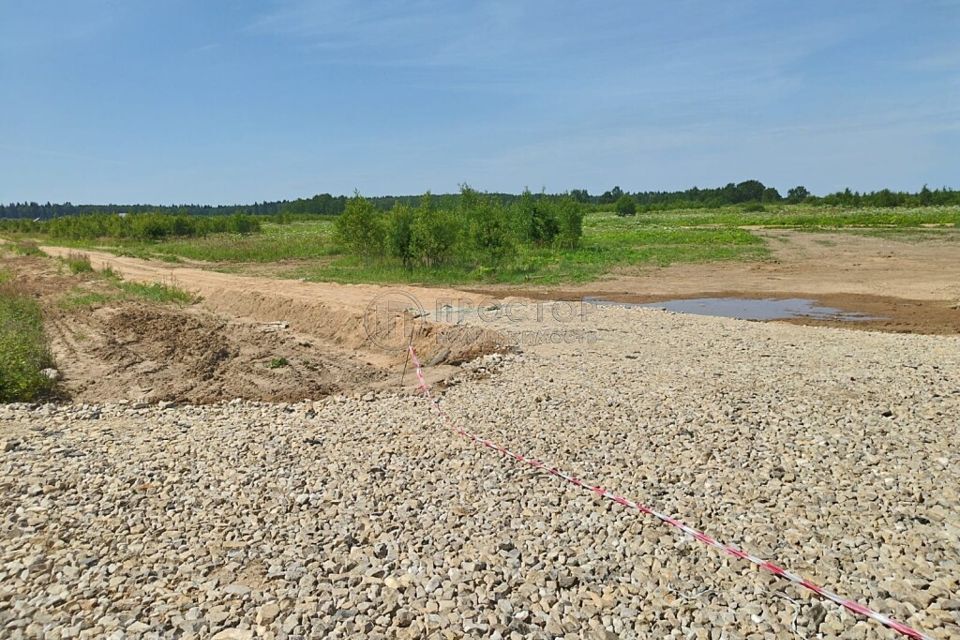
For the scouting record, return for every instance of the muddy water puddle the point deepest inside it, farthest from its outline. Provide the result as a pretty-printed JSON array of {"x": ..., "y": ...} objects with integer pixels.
[{"x": 747, "y": 308}]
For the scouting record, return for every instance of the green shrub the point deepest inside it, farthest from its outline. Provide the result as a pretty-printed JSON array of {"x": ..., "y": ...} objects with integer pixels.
[
  {"x": 753, "y": 207},
  {"x": 570, "y": 219},
  {"x": 359, "y": 228},
  {"x": 27, "y": 248},
  {"x": 433, "y": 236},
  {"x": 475, "y": 230},
  {"x": 158, "y": 292},
  {"x": 147, "y": 226},
  {"x": 397, "y": 233},
  {"x": 488, "y": 231},
  {"x": 535, "y": 219},
  {"x": 78, "y": 263},
  {"x": 626, "y": 206},
  {"x": 277, "y": 363},
  {"x": 23, "y": 349}
]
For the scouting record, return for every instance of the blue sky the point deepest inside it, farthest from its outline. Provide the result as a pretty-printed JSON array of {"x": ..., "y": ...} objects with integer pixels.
[{"x": 224, "y": 101}]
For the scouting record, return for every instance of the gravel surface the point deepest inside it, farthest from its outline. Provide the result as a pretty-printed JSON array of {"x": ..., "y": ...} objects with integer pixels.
[{"x": 833, "y": 452}]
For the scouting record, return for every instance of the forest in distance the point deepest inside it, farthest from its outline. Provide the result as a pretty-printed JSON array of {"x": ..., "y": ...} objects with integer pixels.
[{"x": 748, "y": 191}]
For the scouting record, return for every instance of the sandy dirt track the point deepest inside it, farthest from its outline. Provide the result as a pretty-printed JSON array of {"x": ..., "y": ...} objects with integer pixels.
[
  {"x": 218, "y": 288},
  {"x": 249, "y": 338},
  {"x": 345, "y": 316}
]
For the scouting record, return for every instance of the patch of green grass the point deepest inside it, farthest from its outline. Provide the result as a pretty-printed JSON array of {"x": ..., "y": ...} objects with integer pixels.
[
  {"x": 80, "y": 299},
  {"x": 119, "y": 289},
  {"x": 799, "y": 216},
  {"x": 26, "y": 248},
  {"x": 904, "y": 234},
  {"x": 5, "y": 276},
  {"x": 157, "y": 292},
  {"x": 277, "y": 243},
  {"x": 601, "y": 251},
  {"x": 23, "y": 349},
  {"x": 110, "y": 274},
  {"x": 78, "y": 263},
  {"x": 277, "y": 363}
]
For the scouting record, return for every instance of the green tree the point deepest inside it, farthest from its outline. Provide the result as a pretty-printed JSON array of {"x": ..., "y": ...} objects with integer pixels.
[
  {"x": 488, "y": 234},
  {"x": 534, "y": 219},
  {"x": 433, "y": 235},
  {"x": 770, "y": 194},
  {"x": 626, "y": 206},
  {"x": 359, "y": 228},
  {"x": 749, "y": 191},
  {"x": 611, "y": 196},
  {"x": 886, "y": 198},
  {"x": 398, "y": 230},
  {"x": 797, "y": 195},
  {"x": 570, "y": 218}
]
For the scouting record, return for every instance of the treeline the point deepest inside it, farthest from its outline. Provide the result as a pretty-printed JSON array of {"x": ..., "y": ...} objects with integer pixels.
[
  {"x": 754, "y": 191},
  {"x": 137, "y": 226},
  {"x": 476, "y": 229},
  {"x": 749, "y": 191},
  {"x": 323, "y": 204}
]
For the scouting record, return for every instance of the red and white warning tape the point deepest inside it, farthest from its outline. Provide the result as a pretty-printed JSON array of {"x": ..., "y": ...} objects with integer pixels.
[{"x": 731, "y": 550}]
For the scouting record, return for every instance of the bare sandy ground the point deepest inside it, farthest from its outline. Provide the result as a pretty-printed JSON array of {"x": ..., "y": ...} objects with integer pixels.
[
  {"x": 340, "y": 313},
  {"x": 814, "y": 263},
  {"x": 218, "y": 288},
  {"x": 248, "y": 338},
  {"x": 914, "y": 286}
]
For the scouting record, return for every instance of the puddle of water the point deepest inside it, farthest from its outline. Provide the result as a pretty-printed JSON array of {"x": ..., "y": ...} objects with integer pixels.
[{"x": 747, "y": 308}]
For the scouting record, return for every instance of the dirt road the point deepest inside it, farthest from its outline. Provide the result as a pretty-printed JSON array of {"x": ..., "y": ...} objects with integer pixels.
[
  {"x": 219, "y": 289},
  {"x": 346, "y": 315},
  {"x": 248, "y": 338}
]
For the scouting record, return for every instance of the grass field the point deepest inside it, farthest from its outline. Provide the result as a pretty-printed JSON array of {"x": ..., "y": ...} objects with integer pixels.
[
  {"x": 806, "y": 217},
  {"x": 904, "y": 234},
  {"x": 306, "y": 249}
]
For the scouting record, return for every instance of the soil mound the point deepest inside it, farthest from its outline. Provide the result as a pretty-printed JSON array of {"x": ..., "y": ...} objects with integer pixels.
[{"x": 148, "y": 353}]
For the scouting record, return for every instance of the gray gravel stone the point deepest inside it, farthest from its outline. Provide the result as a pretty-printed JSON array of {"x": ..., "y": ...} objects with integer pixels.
[{"x": 364, "y": 516}]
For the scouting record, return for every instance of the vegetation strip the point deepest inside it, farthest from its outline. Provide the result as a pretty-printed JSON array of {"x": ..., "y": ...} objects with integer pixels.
[
  {"x": 23, "y": 348},
  {"x": 473, "y": 237}
]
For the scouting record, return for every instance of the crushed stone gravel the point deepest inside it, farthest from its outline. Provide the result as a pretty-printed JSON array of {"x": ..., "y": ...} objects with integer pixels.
[{"x": 833, "y": 452}]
